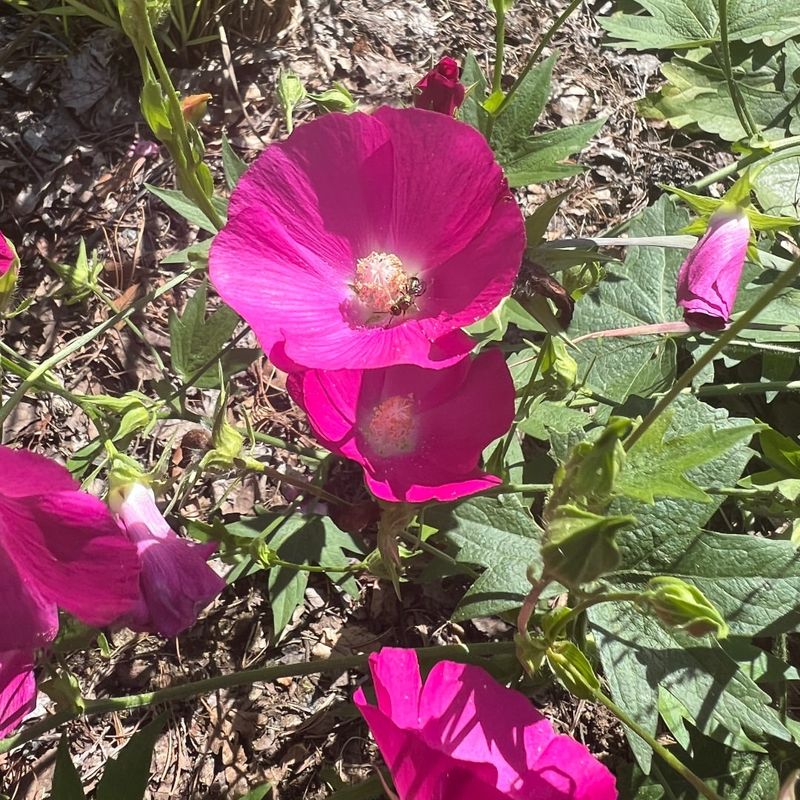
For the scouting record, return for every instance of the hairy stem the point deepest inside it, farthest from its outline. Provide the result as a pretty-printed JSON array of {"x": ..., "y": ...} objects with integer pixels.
[{"x": 467, "y": 653}]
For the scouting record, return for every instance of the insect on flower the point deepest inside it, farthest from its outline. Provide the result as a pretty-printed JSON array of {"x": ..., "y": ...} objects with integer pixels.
[{"x": 407, "y": 299}]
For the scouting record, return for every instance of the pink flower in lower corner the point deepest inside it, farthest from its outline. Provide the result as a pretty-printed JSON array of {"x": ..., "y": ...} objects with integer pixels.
[
  {"x": 59, "y": 548},
  {"x": 17, "y": 689},
  {"x": 176, "y": 583},
  {"x": 708, "y": 279},
  {"x": 463, "y": 736},
  {"x": 418, "y": 433},
  {"x": 440, "y": 89},
  {"x": 368, "y": 240}
]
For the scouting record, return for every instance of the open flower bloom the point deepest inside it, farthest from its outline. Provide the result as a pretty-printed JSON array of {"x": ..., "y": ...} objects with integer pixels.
[
  {"x": 709, "y": 277},
  {"x": 418, "y": 433},
  {"x": 17, "y": 689},
  {"x": 59, "y": 547},
  {"x": 462, "y": 735},
  {"x": 440, "y": 89},
  {"x": 368, "y": 240},
  {"x": 176, "y": 583}
]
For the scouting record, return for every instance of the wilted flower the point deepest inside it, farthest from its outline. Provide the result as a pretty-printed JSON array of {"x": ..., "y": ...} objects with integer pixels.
[
  {"x": 194, "y": 107},
  {"x": 709, "y": 277},
  {"x": 365, "y": 241},
  {"x": 17, "y": 689},
  {"x": 59, "y": 547},
  {"x": 176, "y": 583},
  {"x": 418, "y": 433},
  {"x": 463, "y": 735},
  {"x": 440, "y": 90}
]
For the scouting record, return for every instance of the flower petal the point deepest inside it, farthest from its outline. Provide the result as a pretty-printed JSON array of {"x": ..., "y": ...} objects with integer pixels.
[
  {"x": 28, "y": 473},
  {"x": 68, "y": 548},
  {"x": 27, "y": 621},
  {"x": 17, "y": 689},
  {"x": 395, "y": 673}
]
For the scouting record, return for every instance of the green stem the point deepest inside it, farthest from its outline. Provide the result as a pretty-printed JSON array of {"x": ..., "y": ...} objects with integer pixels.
[
  {"x": 472, "y": 653},
  {"x": 739, "y": 105},
  {"x": 594, "y": 600},
  {"x": 529, "y": 606},
  {"x": 499, "y": 47},
  {"x": 534, "y": 57},
  {"x": 722, "y": 389},
  {"x": 742, "y": 163},
  {"x": 297, "y": 481},
  {"x": 521, "y": 488},
  {"x": 81, "y": 341},
  {"x": 784, "y": 280},
  {"x": 669, "y": 757}
]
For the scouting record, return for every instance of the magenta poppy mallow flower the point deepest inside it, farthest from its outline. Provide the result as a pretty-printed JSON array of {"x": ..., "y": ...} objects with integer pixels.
[
  {"x": 176, "y": 582},
  {"x": 708, "y": 279},
  {"x": 461, "y": 735},
  {"x": 17, "y": 689},
  {"x": 369, "y": 240},
  {"x": 440, "y": 89},
  {"x": 418, "y": 433},
  {"x": 59, "y": 548}
]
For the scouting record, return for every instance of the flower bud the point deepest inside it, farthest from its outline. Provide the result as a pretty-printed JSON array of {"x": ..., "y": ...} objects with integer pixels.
[
  {"x": 680, "y": 605},
  {"x": 580, "y": 545},
  {"x": 709, "y": 277},
  {"x": 440, "y": 90},
  {"x": 9, "y": 269},
  {"x": 573, "y": 670},
  {"x": 194, "y": 107}
]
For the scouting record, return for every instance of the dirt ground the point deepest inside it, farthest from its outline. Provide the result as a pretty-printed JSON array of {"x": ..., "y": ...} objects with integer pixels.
[{"x": 70, "y": 167}]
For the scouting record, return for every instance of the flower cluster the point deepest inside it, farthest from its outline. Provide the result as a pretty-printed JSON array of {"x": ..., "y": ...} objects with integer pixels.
[
  {"x": 61, "y": 548},
  {"x": 357, "y": 250}
]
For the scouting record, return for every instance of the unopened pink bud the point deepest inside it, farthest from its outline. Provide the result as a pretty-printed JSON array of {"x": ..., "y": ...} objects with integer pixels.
[
  {"x": 709, "y": 277},
  {"x": 440, "y": 90}
]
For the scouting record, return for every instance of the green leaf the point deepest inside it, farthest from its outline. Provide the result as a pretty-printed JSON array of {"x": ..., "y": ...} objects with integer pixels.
[
  {"x": 521, "y": 109},
  {"x": 66, "y": 781},
  {"x": 731, "y": 774},
  {"x": 195, "y": 339},
  {"x": 537, "y": 223},
  {"x": 196, "y": 253},
  {"x": 259, "y": 793},
  {"x": 540, "y": 158},
  {"x": 639, "y": 292},
  {"x": 499, "y": 534},
  {"x": 657, "y": 463},
  {"x": 126, "y": 776},
  {"x": 316, "y": 541},
  {"x": 754, "y": 582},
  {"x": 178, "y": 201},
  {"x": 777, "y": 186},
  {"x": 680, "y": 24},
  {"x": 472, "y": 111},
  {"x": 232, "y": 165},
  {"x": 546, "y": 416}
]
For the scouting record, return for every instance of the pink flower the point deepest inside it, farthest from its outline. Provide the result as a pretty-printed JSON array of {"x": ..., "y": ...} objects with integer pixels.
[
  {"x": 7, "y": 255},
  {"x": 59, "y": 547},
  {"x": 418, "y": 433},
  {"x": 17, "y": 689},
  {"x": 365, "y": 241},
  {"x": 463, "y": 736},
  {"x": 709, "y": 277},
  {"x": 440, "y": 90},
  {"x": 176, "y": 583}
]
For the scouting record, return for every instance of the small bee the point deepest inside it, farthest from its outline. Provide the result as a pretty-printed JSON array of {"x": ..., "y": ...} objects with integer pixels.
[{"x": 413, "y": 289}]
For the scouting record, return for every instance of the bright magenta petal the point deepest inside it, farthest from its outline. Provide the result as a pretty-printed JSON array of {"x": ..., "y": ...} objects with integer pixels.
[
  {"x": 7, "y": 255},
  {"x": 465, "y": 736},
  {"x": 441, "y": 420},
  {"x": 27, "y": 620},
  {"x": 17, "y": 689},
  {"x": 708, "y": 279},
  {"x": 66, "y": 546},
  {"x": 24, "y": 473},
  {"x": 408, "y": 188},
  {"x": 176, "y": 582}
]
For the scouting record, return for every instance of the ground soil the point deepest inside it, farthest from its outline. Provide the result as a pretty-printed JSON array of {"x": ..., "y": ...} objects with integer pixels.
[{"x": 70, "y": 167}]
